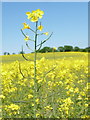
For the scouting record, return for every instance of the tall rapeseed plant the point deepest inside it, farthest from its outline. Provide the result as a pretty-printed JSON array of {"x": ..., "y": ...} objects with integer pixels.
[{"x": 34, "y": 16}]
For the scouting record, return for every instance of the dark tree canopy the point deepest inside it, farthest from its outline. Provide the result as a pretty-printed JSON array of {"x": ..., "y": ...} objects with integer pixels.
[
  {"x": 65, "y": 48},
  {"x": 68, "y": 48}
]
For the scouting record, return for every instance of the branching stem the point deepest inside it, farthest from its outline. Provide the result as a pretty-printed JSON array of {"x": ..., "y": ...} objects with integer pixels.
[{"x": 35, "y": 72}]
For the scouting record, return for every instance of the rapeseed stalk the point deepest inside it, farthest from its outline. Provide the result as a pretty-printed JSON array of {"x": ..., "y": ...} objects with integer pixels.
[{"x": 34, "y": 16}]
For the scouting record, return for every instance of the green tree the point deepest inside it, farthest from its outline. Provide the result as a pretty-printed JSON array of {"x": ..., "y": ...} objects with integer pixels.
[
  {"x": 76, "y": 48},
  {"x": 46, "y": 49},
  {"x": 60, "y": 49},
  {"x": 83, "y": 50},
  {"x": 22, "y": 52},
  {"x": 87, "y": 49},
  {"x": 6, "y": 53},
  {"x": 13, "y": 53},
  {"x": 68, "y": 48}
]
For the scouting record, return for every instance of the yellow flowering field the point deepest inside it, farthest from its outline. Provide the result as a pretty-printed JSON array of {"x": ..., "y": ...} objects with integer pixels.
[{"x": 62, "y": 87}]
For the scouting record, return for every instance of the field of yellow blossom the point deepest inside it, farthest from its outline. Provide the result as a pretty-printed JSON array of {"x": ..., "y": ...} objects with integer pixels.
[{"x": 62, "y": 86}]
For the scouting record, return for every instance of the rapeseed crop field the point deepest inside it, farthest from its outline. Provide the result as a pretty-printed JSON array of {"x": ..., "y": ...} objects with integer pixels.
[{"x": 62, "y": 86}]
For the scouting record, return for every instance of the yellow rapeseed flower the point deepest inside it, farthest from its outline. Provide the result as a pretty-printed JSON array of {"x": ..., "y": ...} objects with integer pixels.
[
  {"x": 2, "y": 96},
  {"x": 46, "y": 33},
  {"x": 13, "y": 107},
  {"x": 40, "y": 27},
  {"x": 68, "y": 92},
  {"x": 25, "y": 26},
  {"x": 39, "y": 13},
  {"x": 48, "y": 107},
  {"x": 71, "y": 89},
  {"x": 37, "y": 114},
  {"x": 32, "y": 16},
  {"x": 32, "y": 104},
  {"x": 27, "y": 38},
  {"x": 68, "y": 101},
  {"x": 34, "y": 19},
  {"x": 82, "y": 93},
  {"x": 79, "y": 97},
  {"x": 30, "y": 96},
  {"x": 85, "y": 116},
  {"x": 29, "y": 15},
  {"x": 37, "y": 101},
  {"x": 86, "y": 105},
  {"x": 35, "y": 15},
  {"x": 76, "y": 90}
]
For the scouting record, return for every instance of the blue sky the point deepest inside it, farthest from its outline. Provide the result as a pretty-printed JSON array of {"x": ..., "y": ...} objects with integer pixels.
[{"x": 67, "y": 20}]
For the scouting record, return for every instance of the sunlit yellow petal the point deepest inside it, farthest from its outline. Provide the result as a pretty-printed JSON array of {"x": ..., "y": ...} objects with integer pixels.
[
  {"x": 46, "y": 33},
  {"x": 27, "y": 38},
  {"x": 35, "y": 15},
  {"x": 40, "y": 27},
  {"x": 25, "y": 26},
  {"x": 29, "y": 15},
  {"x": 34, "y": 19}
]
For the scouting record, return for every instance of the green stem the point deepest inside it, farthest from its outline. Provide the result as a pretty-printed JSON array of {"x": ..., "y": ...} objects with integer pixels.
[{"x": 35, "y": 72}]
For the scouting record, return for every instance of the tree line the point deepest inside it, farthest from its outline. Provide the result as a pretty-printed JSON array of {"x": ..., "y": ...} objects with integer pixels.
[{"x": 65, "y": 48}]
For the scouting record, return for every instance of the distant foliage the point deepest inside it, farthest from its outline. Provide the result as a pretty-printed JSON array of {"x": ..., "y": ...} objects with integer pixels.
[
  {"x": 61, "y": 49},
  {"x": 65, "y": 48},
  {"x": 68, "y": 48},
  {"x": 21, "y": 52},
  {"x": 76, "y": 49},
  {"x": 6, "y": 53},
  {"x": 13, "y": 53}
]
